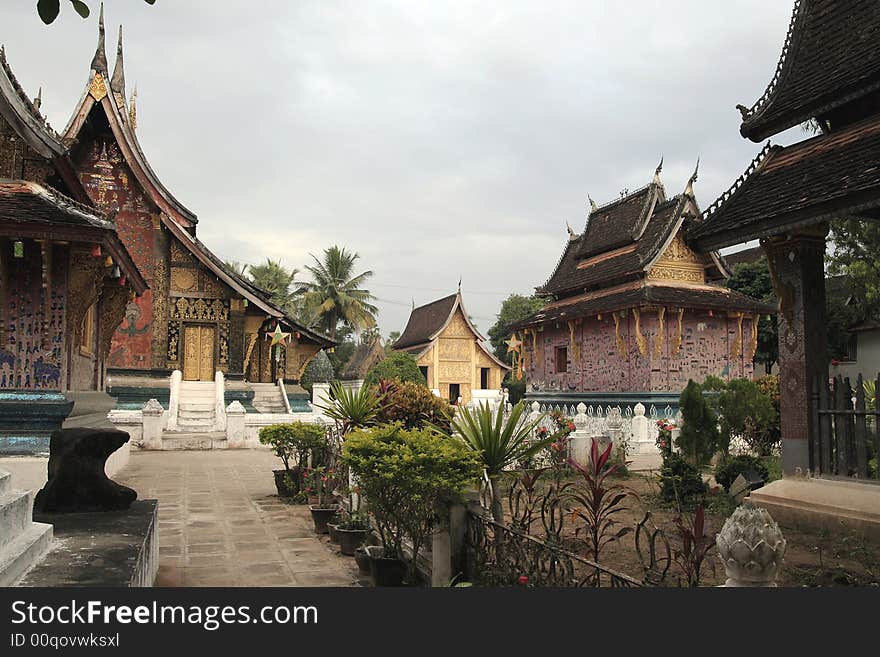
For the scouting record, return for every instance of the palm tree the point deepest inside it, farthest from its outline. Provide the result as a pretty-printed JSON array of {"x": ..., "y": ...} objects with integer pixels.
[
  {"x": 237, "y": 268},
  {"x": 277, "y": 280},
  {"x": 335, "y": 296}
]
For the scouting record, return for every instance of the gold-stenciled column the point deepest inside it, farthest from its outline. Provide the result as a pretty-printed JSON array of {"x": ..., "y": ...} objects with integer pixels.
[{"x": 661, "y": 329}]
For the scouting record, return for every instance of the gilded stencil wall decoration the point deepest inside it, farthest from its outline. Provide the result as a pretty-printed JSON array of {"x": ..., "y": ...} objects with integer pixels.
[
  {"x": 679, "y": 263},
  {"x": 455, "y": 349},
  {"x": 179, "y": 255},
  {"x": 202, "y": 310},
  {"x": 661, "y": 329},
  {"x": 97, "y": 87},
  {"x": 455, "y": 371},
  {"x": 173, "y": 341},
  {"x": 621, "y": 343},
  {"x": 738, "y": 342},
  {"x": 457, "y": 328},
  {"x": 640, "y": 339},
  {"x": 753, "y": 342},
  {"x": 183, "y": 280},
  {"x": 676, "y": 346},
  {"x": 160, "y": 338}
]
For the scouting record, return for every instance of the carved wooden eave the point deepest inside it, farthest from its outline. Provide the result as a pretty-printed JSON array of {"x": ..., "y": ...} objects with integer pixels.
[
  {"x": 97, "y": 93},
  {"x": 24, "y": 117}
]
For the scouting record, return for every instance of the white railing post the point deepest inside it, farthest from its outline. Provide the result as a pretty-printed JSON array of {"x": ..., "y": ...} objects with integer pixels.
[
  {"x": 284, "y": 395},
  {"x": 174, "y": 399},
  {"x": 219, "y": 402}
]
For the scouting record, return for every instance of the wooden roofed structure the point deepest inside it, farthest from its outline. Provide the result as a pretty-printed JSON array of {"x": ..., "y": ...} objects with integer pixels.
[
  {"x": 634, "y": 308},
  {"x": 828, "y": 74}
]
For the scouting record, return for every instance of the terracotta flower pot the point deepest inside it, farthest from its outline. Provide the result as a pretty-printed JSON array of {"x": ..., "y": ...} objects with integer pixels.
[
  {"x": 386, "y": 571},
  {"x": 321, "y": 516}
]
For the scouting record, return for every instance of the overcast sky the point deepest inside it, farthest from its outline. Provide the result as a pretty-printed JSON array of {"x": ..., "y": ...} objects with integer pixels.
[{"x": 440, "y": 140}]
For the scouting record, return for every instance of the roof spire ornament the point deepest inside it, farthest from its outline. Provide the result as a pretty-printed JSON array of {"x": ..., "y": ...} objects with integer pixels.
[
  {"x": 572, "y": 236},
  {"x": 593, "y": 206},
  {"x": 38, "y": 101},
  {"x": 656, "y": 180},
  {"x": 689, "y": 190},
  {"x": 132, "y": 109},
  {"x": 117, "y": 83},
  {"x": 99, "y": 61}
]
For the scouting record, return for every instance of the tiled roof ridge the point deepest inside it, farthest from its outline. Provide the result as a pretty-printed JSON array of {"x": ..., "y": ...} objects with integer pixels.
[
  {"x": 62, "y": 201},
  {"x": 610, "y": 204},
  {"x": 568, "y": 245},
  {"x": 738, "y": 184},
  {"x": 749, "y": 114},
  {"x": 26, "y": 101}
]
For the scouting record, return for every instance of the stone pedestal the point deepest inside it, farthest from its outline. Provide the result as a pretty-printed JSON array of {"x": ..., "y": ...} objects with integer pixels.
[
  {"x": 235, "y": 429},
  {"x": 153, "y": 421},
  {"x": 797, "y": 269}
]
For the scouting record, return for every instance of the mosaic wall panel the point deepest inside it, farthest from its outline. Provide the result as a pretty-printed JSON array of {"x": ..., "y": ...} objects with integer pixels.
[
  {"x": 705, "y": 348},
  {"x": 112, "y": 187},
  {"x": 33, "y": 354}
]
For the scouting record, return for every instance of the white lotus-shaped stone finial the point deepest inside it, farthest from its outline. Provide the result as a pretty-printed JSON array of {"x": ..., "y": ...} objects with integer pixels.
[{"x": 751, "y": 547}]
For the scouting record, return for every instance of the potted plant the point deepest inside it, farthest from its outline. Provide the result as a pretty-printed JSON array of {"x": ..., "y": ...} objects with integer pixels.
[
  {"x": 409, "y": 478},
  {"x": 296, "y": 441},
  {"x": 325, "y": 507},
  {"x": 352, "y": 531},
  {"x": 362, "y": 559}
]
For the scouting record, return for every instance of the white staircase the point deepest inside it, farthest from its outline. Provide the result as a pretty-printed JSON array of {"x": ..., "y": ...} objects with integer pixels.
[
  {"x": 196, "y": 412},
  {"x": 268, "y": 398},
  {"x": 22, "y": 541}
]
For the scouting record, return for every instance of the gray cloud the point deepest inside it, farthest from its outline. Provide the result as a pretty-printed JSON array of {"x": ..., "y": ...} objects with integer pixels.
[{"x": 440, "y": 140}]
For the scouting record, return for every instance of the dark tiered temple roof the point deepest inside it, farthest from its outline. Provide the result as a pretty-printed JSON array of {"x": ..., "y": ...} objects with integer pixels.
[
  {"x": 28, "y": 209},
  {"x": 179, "y": 220},
  {"x": 626, "y": 258},
  {"x": 641, "y": 293},
  {"x": 825, "y": 177},
  {"x": 830, "y": 58},
  {"x": 425, "y": 322}
]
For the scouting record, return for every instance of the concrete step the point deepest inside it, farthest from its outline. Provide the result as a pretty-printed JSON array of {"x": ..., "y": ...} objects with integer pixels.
[
  {"x": 192, "y": 410},
  {"x": 23, "y": 551},
  {"x": 270, "y": 408},
  {"x": 15, "y": 514},
  {"x": 5, "y": 482},
  {"x": 203, "y": 440},
  {"x": 195, "y": 427}
]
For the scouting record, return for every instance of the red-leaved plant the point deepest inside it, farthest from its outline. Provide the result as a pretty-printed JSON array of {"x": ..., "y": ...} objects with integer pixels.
[
  {"x": 600, "y": 499},
  {"x": 695, "y": 542}
]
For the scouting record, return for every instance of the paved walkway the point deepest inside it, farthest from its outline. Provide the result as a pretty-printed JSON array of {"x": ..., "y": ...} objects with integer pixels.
[{"x": 220, "y": 523}]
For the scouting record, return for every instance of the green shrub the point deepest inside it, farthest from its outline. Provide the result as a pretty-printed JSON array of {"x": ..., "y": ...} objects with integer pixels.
[
  {"x": 398, "y": 365},
  {"x": 414, "y": 406},
  {"x": 729, "y": 469},
  {"x": 699, "y": 438},
  {"x": 680, "y": 481},
  {"x": 747, "y": 412},
  {"x": 516, "y": 389},
  {"x": 319, "y": 370},
  {"x": 409, "y": 477},
  {"x": 296, "y": 441}
]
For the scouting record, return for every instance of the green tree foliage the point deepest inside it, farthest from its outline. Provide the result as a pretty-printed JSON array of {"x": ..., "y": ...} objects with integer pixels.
[
  {"x": 514, "y": 308},
  {"x": 343, "y": 351},
  {"x": 409, "y": 478},
  {"x": 747, "y": 412},
  {"x": 49, "y": 9},
  {"x": 854, "y": 254},
  {"x": 237, "y": 268},
  {"x": 276, "y": 280},
  {"x": 680, "y": 481},
  {"x": 699, "y": 438},
  {"x": 393, "y": 337},
  {"x": 414, "y": 406},
  {"x": 516, "y": 389},
  {"x": 319, "y": 370},
  {"x": 730, "y": 468},
  {"x": 399, "y": 366},
  {"x": 334, "y": 296},
  {"x": 753, "y": 280},
  {"x": 353, "y": 408}
]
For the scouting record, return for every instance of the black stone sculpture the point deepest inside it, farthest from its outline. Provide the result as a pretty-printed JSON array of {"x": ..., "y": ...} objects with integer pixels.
[{"x": 77, "y": 481}]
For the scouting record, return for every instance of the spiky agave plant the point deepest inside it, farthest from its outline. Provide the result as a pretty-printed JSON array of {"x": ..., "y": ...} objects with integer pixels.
[
  {"x": 500, "y": 442},
  {"x": 353, "y": 409}
]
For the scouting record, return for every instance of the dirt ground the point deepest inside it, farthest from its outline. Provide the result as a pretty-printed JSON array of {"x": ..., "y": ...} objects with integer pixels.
[{"x": 811, "y": 559}]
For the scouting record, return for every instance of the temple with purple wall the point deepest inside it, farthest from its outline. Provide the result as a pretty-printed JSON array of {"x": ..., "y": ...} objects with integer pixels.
[{"x": 634, "y": 311}]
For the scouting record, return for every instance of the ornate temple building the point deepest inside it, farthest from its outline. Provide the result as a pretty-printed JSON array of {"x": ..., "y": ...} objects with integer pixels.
[
  {"x": 198, "y": 316},
  {"x": 450, "y": 351},
  {"x": 66, "y": 277},
  {"x": 635, "y": 310},
  {"x": 828, "y": 74}
]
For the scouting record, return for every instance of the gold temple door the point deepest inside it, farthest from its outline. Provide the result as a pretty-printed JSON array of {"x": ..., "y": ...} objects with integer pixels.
[{"x": 198, "y": 354}]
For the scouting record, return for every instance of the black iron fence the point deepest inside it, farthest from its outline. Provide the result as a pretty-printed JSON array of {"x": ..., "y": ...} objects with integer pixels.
[{"x": 846, "y": 437}]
